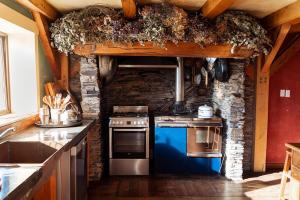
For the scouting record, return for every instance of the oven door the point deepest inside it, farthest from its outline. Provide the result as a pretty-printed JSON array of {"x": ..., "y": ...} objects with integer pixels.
[
  {"x": 204, "y": 142},
  {"x": 129, "y": 143}
]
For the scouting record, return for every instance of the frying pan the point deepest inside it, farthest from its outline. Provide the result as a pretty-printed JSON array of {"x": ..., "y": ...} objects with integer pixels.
[{"x": 221, "y": 70}]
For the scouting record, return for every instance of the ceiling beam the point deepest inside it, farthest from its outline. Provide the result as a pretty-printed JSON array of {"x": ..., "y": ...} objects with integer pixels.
[
  {"x": 284, "y": 30},
  {"x": 213, "y": 8},
  {"x": 44, "y": 35},
  {"x": 285, "y": 56},
  {"x": 41, "y": 6},
  {"x": 129, "y": 8},
  {"x": 289, "y": 14},
  {"x": 182, "y": 49}
]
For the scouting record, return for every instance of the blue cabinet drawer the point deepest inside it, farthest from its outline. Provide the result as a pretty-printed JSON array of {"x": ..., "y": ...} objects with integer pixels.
[{"x": 203, "y": 165}]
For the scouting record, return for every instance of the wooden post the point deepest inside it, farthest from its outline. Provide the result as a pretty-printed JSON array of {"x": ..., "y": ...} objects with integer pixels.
[
  {"x": 50, "y": 53},
  {"x": 261, "y": 124}
]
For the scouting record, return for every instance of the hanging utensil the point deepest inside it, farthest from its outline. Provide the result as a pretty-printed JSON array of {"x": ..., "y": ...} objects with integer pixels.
[
  {"x": 65, "y": 106},
  {"x": 221, "y": 70},
  {"x": 65, "y": 101},
  {"x": 211, "y": 62}
]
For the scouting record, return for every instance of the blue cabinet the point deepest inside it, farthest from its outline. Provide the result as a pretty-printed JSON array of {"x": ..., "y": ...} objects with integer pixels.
[
  {"x": 170, "y": 150},
  {"x": 170, "y": 154}
]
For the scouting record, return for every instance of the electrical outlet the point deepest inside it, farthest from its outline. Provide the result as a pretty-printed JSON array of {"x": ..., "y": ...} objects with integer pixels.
[
  {"x": 288, "y": 93},
  {"x": 282, "y": 93}
]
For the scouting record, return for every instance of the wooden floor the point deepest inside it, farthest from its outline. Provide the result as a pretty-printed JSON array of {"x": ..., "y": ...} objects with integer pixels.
[{"x": 170, "y": 187}]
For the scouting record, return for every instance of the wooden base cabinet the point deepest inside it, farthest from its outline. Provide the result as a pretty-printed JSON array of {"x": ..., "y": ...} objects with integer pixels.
[{"x": 57, "y": 186}]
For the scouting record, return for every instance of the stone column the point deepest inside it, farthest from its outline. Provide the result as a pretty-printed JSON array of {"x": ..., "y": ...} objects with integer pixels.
[
  {"x": 90, "y": 105},
  {"x": 228, "y": 100}
]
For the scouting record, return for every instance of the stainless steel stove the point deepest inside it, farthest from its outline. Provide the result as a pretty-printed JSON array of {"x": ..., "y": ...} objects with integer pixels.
[{"x": 129, "y": 141}]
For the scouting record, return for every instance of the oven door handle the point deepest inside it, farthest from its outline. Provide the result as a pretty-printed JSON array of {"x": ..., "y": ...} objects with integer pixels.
[{"x": 130, "y": 130}]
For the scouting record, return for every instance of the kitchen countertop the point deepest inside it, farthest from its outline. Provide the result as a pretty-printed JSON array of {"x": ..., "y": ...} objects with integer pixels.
[
  {"x": 187, "y": 121},
  {"x": 18, "y": 179}
]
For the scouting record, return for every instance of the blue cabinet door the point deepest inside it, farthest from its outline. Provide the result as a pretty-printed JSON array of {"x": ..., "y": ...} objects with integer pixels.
[{"x": 170, "y": 150}]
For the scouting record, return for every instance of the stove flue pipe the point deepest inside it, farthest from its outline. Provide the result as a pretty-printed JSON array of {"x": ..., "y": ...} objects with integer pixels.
[{"x": 179, "y": 81}]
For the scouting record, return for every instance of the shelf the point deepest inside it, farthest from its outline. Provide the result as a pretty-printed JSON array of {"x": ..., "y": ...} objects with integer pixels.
[{"x": 182, "y": 49}]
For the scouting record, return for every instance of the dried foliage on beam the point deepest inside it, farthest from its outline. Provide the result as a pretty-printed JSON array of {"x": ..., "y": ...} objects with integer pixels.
[{"x": 158, "y": 24}]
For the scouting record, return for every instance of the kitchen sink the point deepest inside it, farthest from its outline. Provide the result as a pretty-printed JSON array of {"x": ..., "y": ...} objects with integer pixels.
[{"x": 13, "y": 152}]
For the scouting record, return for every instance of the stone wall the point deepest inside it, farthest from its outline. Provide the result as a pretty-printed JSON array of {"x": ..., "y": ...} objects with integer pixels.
[
  {"x": 152, "y": 87},
  {"x": 249, "y": 126},
  {"x": 231, "y": 101}
]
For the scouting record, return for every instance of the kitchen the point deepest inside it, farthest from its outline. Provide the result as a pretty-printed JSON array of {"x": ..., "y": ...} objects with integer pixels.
[{"x": 130, "y": 99}]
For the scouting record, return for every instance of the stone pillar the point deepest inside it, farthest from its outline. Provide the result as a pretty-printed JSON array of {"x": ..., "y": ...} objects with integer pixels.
[
  {"x": 90, "y": 104},
  {"x": 90, "y": 93},
  {"x": 228, "y": 100}
]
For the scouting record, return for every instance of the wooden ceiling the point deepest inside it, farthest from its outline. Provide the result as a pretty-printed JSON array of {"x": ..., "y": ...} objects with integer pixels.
[{"x": 259, "y": 8}]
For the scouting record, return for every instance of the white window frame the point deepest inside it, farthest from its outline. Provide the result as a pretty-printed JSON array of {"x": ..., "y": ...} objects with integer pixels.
[{"x": 6, "y": 75}]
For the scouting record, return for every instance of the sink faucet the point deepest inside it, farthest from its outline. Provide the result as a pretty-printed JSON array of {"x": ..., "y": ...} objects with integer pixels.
[{"x": 7, "y": 131}]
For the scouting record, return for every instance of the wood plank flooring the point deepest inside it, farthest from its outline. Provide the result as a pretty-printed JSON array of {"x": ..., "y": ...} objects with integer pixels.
[{"x": 170, "y": 187}]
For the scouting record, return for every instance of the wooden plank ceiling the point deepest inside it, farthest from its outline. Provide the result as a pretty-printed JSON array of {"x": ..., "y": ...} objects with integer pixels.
[{"x": 258, "y": 8}]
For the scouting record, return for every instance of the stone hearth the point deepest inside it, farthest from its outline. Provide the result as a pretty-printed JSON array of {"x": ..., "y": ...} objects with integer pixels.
[{"x": 234, "y": 101}]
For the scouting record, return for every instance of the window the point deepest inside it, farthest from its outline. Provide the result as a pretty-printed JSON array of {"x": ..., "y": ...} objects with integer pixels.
[
  {"x": 19, "y": 66},
  {"x": 4, "y": 82}
]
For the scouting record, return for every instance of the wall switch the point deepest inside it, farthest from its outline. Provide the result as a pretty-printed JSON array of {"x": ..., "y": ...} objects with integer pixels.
[
  {"x": 287, "y": 93},
  {"x": 282, "y": 93}
]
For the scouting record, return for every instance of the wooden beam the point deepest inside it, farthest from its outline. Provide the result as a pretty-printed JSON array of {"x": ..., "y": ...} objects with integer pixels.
[
  {"x": 285, "y": 56},
  {"x": 261, "y": 119},
  {"x": 41, "y": 6},
  {"x": 64, "y": 67},
  {"x": 284, "y": 30},
  {"x": 45, "y": 35},
  {"x": 289, "y": 14},
  {"x": 213, "y": 8},
  {"x": 182, "y": 49},
  {"x": 295, "y": 28},
  {"x": 129, "y": 8}
]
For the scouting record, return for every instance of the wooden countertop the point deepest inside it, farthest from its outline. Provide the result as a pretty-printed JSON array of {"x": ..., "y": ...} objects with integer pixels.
[{"x": 17, "y": 180}]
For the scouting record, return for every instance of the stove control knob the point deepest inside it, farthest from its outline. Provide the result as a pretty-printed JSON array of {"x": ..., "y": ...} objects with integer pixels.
[
  {"x": 134, "y": 123},
  {"x": 117, "y": 122},
  {"x": 121, "y": 122}
]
